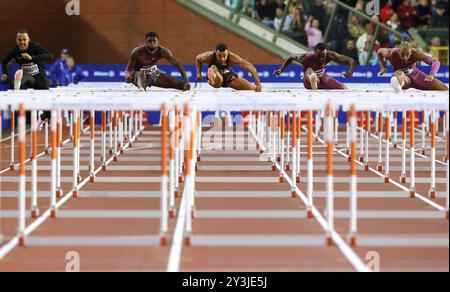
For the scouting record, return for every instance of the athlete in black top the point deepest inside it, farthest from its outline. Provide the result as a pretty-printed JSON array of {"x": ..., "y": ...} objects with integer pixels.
[
  {"x": 220, "y": 72},
  {"x": 30, "y": 56}
]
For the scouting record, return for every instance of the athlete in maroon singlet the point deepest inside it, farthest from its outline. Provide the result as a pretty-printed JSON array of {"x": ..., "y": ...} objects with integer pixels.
[
  {"x": 406, "y": 75},
  {"x": 314, "y": 64},
  {"x": 220, "y": 72},
  {"x": 143, "y": 72}
]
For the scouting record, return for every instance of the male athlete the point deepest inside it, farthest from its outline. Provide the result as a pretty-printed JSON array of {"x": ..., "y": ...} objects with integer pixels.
[
  {"x": 406, "y": 75},
  {"x": 30, "y": 56},
  {"x": 314, "y": 66},
  {"x": 143, "y": 72},
  {"x": 220, "y": 71}
]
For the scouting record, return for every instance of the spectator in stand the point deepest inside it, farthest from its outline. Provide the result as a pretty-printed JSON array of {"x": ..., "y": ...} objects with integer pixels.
[
  {"x": 248, "y": 9},
  {"x": 433, "y": 6},
  {"x": 435, "y": 42},
  {"x": 73, "y": 73},
  {"x": 340, "y": 31},
  {"x": 350, "y": 50},
  {"x": 386, "y": 12},
  {"x": 231, "y": 3},
  {"x": 317, "y": 11},
  {"x": 278, "y": 22},
  {"x": 280, "y": 4},
  {"x": 266, "y": 12},
  {"x": 359, "y": 6},
  {"x": 298, "y": 25},
  {"x": 424, "y": 13},
  {"x": 394, "y": 22},
  {"x": 368, "y": 38},
  {"x": 407, "y": 14},
  {"x": 376, "y": 45},
  {"x": 313, "y": 32},
  {"x": 294, "y": 5},
  {"x": 375, "y": 19},
  {"x": 355, "y": 28},
  {"x": 441, "y": 18},
  {"x": 434, "y": 49},
  {"x": 368, "y": 30},
  {"x": 56, "y": 73},
  {"x": 364, "y": 55}
]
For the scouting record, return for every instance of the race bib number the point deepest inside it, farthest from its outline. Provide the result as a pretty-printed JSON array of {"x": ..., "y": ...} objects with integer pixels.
[
  {"x": 31, "y": 69},
  {"x": 225, "y": 71},
  {"x": 150, "y": 69},
  {"x": 407, "y": 70},
  {"x": 320, "y": 72}
]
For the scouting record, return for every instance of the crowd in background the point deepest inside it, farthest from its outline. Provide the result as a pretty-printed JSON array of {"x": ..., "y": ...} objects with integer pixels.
[
  {"x": 350, "y": 34},
  {"x": 64, "y": 71}
]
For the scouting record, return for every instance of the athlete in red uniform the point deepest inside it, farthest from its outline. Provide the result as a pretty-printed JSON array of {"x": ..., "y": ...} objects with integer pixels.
[
  {"x": 143, "y": 72},
  {"x": 406, "y": 75},
  {"x": 314, "y": 67}
]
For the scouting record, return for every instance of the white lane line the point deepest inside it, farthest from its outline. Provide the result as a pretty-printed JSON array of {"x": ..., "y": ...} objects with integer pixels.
[
  {"x": 317, "y": 179},
  {"x": 234, "y": 214},
  {"x": 419, "y": 196},
  {"x": 216, "y": 179},
  {"x": 399, "y": 147},
  {"x": 129, "y": 159},
  {"x": 42, "y": 154},
  {"x": 94, "y": 194},
  {"x": 11, "y": 244},
  {"x": 111, "y": 179},
  {"x": 173, "y": 264},
  {"x": 208, "y": 179},
  {"x": 234, "y": 168},
  {"x": 314, "y": 240},
  {"x": 96, "y": 214},
  {"x": 92, "y": 241},
  {"x": 9, "y": 137},
  {"x": 298, "y": 214},
  {"x": 304, "y": 240},
  {"x": 351, "y": 256},
  {"x": 217, "y": 194},
  {"x": 404, "y": 240},
  {"x": 240, "y": 194}
]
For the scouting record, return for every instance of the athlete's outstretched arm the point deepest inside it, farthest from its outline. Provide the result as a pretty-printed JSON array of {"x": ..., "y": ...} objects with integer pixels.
[
  {"x": 201, "y": 59},
  {"x": 288, "y": 61},
  {"x": 244, "y": 64},
  {"x": 130, "y": 68},
  {"x": 427, "y": 59},
  {"x": 383, "y": 54},
  {"x": 342, "y": 59},
  {"x": 167, "y": 54}
]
